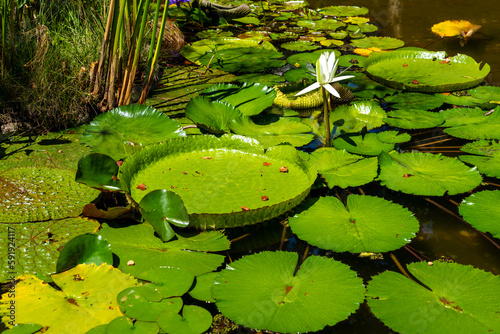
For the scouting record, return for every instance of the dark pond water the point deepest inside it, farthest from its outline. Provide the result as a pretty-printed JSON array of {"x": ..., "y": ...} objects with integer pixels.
[{"x": 411, "y": 21}]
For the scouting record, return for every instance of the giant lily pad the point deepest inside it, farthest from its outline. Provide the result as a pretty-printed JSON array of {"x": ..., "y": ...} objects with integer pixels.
[
  {"x": 481, "y": 211},
  {"x": 425, "y": 71},
  {"x": 223, "y": 182},
  {"x": 87, "y": 298},
  {"x": 458, "y": 299},
  {"x": 234, "y": 54},
  {"x": 364, "y": 224},
  {"x": 282, "y": 131},
  {"x": 488, "y": 159},
  {"x": 36, "y": 244},
  {"x": 426, "y": 174},
  {"x": 41, "y": 193},
  {"x": 343, "y": 169},
  {"x": 138, "y": 244},
  {"x": 263, "y": 291},
  {"x": 126, "y": 129}
]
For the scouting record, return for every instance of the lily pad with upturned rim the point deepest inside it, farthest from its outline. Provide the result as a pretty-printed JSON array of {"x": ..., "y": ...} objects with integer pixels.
[
  {"x": 460, "y": 299},
  {"x": 363, "y": 224},
  {"x": 481, "y": 210},
  {"x": 425, "y": 71},
  {"x": 197, "y": 169},
  {"x": 263, "y": 291},
  {"x": 426, "y": 174}
]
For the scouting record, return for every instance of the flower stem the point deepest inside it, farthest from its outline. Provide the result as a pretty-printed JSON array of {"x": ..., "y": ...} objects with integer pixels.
[{"x": 326, "y": 118}]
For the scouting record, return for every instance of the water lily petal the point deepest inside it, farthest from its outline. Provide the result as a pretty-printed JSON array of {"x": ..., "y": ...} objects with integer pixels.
[
  {"x": 342, "y": 78},
  {"x": 312, "y": 87},
  {"x": 332, "y": 90}
]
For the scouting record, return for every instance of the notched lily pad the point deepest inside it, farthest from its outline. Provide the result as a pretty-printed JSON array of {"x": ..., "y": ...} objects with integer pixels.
[
  {"x": 426, "y": 174},
  {"x": 364, "y": 224},
  {"x": 481, "y": 211}
]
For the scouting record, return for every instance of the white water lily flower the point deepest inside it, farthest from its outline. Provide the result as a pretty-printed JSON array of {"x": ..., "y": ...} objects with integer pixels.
[{"x": 326, "y": 66}]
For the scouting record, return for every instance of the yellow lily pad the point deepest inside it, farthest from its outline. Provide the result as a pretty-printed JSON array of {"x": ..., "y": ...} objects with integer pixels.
[
  {"x": 367, "y": 52},
  {"x": 452, "y": 28},
  {"x": 87, "y": 299}
]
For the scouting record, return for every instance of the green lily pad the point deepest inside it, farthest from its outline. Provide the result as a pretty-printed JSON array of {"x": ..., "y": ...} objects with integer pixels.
[
  {"x": 426, "y": 174},
  {"x": 298, "y": 74},
  {"x": 482, "y": 212},
  {"x": 125, "y": 325},
  {"x": 393, "y": 137},
  {"x": 364, "y": 224},
  {"x": 355, "y": 116},
  {"x": 331, "y": 42},
  {"x": 213, "y": 33},
  {"x": 351, "y": 60},
  {"x": 197, "y": 169},
  {"x": 169, "y": 281},
  {"x": 234, "y": 54},
  {"x": 30, "y": 194},
  {"x": 384, "y": 43},
  {"x": 459, "y": 299},
  {"x": 211, "y": 115},
  {"x": 126, "y": 129},
  {"x": 308, "y": 57},
  {"x": 484, "y": 96},
  {"x": 98, "y": 171},
  {"x": 194, "y": 320},
  {"x": 262, "y": 291},
  {"x": 362, "y": 27},
  {"x": 337, "y": 34},
  {"x": 472, "y": 124},
  {"x": 23, "y": 329},
  {"x": 488, "y": 159},
  {"x": 138, "y": 244},
  {"x": 368, "y": 144},
  {"x": 86, "y": 299},
  {"x": 283, "y": 131},
  {"x": 323, "y": 24},
  {"x": 343, "y": 169},
  {"x": 249, "y": 99},
  {"x": 344, "y": 10},
  {"x": 161, "y": 208},
  {"x": 425, "y": 71},
  {"x": 414, "y": 119},
  {"x": 300, "y": 46},
  {"x": 414, "y": 101},
  {"x": 37, "y": 244},
  {"x": 145, "y": 303},
  {"x": 85, "y": 248},
  {"x": 203, "y": 288}
]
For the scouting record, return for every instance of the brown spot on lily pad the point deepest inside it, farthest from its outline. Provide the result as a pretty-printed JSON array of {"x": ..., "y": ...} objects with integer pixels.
[
  {"x": 283, "y": 169},
  {"x": 141, "y": 186}
]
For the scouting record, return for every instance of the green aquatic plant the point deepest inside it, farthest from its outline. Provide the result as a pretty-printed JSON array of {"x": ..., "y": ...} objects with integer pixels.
[{"x": 325, "y": 72}]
